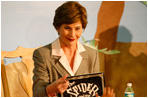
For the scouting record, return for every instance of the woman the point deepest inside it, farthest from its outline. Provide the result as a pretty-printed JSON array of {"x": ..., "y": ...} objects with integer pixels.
[{"x": 66, "y": 56}]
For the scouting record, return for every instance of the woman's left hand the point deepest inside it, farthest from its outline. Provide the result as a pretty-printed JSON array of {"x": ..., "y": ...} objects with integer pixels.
[{"x": 108, "y": 92}]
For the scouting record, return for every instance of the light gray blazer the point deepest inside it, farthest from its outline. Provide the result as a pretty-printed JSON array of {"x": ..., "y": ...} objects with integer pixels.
[{"x": 48, "y": 68}]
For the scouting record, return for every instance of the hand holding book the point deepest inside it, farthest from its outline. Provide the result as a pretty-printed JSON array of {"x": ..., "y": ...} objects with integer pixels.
[
  {"x": 85, "y": 85},
  {"x": 58, "y": 86},
  {"x": 89, "y": 85}
]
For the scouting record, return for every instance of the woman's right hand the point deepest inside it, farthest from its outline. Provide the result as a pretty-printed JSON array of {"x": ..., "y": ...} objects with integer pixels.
[{"x": 58, "y": 86}]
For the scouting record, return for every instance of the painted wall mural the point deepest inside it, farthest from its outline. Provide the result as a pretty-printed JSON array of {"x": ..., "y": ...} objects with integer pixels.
[
  {"x": 131, "y": 64},
  {"x": 119, "y": 25}
]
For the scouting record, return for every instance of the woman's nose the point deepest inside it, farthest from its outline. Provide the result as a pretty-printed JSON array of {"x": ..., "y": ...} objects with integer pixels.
[{"x": 72, "y": 33}]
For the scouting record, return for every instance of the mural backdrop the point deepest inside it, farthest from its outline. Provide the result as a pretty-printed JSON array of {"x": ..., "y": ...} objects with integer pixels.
[{"x": 118, "y": 25}]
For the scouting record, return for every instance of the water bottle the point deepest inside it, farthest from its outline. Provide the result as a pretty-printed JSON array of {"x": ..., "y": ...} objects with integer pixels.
[{"x": 129, "y": 91}]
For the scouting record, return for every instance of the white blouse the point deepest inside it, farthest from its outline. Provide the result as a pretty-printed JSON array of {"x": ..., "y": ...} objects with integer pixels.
[{"x": 58, "y": 51}]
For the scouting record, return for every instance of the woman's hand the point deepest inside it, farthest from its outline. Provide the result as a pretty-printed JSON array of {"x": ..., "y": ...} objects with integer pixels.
[
  {"x": 58, "y": 86},
  {"x": 107, "y": 92}
]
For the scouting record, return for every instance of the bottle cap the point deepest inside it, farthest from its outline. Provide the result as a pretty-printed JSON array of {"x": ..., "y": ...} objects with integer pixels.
[{"x": 129, "y": 84}]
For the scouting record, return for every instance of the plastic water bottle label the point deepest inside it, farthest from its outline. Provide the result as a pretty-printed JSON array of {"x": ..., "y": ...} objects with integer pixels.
[{"x": 129, "y": 94}]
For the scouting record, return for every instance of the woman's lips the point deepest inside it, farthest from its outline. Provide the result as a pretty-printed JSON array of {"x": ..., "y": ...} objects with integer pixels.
[{"x": 71, "y": 39}]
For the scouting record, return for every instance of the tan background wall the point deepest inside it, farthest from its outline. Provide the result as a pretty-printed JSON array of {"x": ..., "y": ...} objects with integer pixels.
[{"x": 128, "y": 66}]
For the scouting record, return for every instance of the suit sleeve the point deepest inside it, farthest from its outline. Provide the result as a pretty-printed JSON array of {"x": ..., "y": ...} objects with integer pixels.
[{"x": 41, "y": 76}]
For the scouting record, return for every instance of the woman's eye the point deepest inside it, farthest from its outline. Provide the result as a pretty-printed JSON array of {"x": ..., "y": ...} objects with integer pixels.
[
  {"x": 67, "y": 28},
  {"x": 77, "y": 28}
]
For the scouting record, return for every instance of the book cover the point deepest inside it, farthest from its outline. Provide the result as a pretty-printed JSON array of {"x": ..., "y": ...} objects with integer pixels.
[{"x": 87, "y": 85}]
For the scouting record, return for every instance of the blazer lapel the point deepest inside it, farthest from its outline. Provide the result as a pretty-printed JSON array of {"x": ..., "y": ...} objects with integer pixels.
[
  {"x": 57, "y": 58},
  {"x": 58, "y": 66},
  {"x": 63, "y": 60},
  {"x": 83, "y": 63}
]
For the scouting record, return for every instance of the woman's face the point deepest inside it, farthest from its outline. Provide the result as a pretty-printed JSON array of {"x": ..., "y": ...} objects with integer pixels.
[{"x": 70, "y": 33}]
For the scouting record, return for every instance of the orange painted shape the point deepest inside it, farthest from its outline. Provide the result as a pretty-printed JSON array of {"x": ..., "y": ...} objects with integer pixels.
[{"x": 109, "y": 17}]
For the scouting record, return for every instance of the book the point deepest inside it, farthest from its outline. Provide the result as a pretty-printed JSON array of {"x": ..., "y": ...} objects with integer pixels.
[{"x": 87, "y": 85}]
